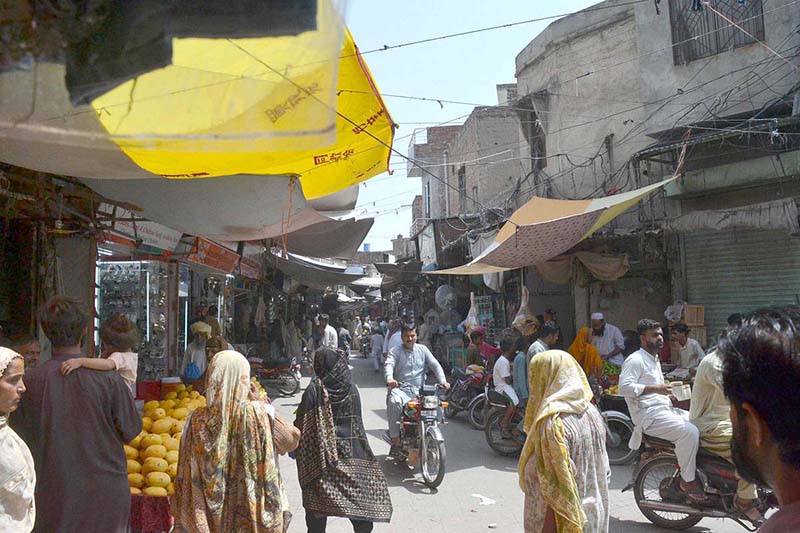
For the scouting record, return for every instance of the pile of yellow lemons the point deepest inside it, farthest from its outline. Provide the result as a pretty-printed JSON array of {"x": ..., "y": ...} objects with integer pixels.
[{"x": 153, "y": 454}]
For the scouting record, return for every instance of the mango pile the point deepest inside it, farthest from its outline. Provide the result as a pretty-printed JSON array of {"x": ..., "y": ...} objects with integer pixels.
[{"x": 153, "y": 454}]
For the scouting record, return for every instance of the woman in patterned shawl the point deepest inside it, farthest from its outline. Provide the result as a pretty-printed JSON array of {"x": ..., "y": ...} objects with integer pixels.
[
  {"x": 563, "y": 468},
  {"x": 339, "y": 475},
  {"x": 228, "y": 478}
]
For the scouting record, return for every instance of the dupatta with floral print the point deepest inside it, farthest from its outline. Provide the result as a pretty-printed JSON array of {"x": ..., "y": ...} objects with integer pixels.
[
  {"x": 228, "y": 479},
  {"x": 557, "y": 386}
]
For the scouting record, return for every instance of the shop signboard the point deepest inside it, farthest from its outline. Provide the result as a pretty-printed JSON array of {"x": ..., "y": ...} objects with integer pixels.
[
  {"x": 250, "y": 268},
  {"x": 153, "y": 237},
  {"x": 213, "y": 255}
]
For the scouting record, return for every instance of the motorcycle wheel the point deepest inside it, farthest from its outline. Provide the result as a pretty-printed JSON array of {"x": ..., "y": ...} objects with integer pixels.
[
  {"x": 432, "y": 464},
  {"x": 648, "y": 487},
  {"x": 477, "y": 413},
  {"x": 494, "y": 435},
  {"x": 287, "y": 383},
  {"x": 618, "y": 433}
]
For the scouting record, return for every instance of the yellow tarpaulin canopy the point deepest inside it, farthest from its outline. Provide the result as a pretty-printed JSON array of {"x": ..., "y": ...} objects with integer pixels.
[
  {"x": 544, "y": 228},
  {"x": 202, "y": 138},
  {"x": 258, "y": 106}
]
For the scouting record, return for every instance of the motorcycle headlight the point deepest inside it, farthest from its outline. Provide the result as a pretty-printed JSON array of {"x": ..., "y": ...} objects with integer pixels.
[{"x": 430, "y": 402}]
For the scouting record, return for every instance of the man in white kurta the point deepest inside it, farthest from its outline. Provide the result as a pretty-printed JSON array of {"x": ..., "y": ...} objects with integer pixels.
[
  {"x": 642, "y": 384},
  {"x": 608, "y": 340}
]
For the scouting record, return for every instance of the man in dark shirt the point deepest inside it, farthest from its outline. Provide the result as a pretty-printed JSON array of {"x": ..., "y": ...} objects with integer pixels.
[{"x": 75, "y": 426}]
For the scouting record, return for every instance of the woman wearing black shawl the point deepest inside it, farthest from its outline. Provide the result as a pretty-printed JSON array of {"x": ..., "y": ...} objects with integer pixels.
[{"x": 339, "y": 475}]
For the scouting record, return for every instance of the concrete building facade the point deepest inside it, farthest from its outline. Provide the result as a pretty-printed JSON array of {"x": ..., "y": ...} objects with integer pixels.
[{"x": 484, "y": 161}]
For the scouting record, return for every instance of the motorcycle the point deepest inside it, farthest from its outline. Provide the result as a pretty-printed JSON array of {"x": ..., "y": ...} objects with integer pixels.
[
  {"x": 502, "y": 444},
  {"x": 282, "y": 374},
  {"x": 656, "y": 487},
  {"x": 478, "y": 407},
  {"x": 421, "y": 438},
  {"x": 619, "y": 427},
  {"x": 464, "y": 387}
]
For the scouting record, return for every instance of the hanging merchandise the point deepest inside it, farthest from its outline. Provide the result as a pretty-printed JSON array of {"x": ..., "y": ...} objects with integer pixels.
[
  {"x": 525, "y": 322},
  {"x": 471, "y": 322}
]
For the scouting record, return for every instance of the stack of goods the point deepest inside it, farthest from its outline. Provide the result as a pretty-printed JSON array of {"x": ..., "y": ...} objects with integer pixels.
[{"x": 153, "y": 454}]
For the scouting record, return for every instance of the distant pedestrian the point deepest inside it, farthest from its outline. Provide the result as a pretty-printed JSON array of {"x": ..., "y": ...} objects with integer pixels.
[
  {"x": 563, "y": 468},
  {"x": 339, "y": 475}
]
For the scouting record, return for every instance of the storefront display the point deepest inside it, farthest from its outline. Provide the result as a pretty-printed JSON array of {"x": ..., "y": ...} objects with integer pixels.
[{"x": 138, "y": 290}]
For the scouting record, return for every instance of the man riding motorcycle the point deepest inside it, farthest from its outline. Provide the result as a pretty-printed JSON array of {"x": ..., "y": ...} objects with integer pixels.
[{"x": 407, "y": 364}]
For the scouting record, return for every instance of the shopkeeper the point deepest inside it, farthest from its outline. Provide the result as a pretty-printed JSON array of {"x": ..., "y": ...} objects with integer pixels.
[{"x": 194, "y": 359}]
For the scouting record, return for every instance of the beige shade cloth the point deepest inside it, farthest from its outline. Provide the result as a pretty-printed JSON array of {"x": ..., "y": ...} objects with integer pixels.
[
  {"x": 243, "y": 208},
  {"x": 605, "y": 267},
  {"x": 544, "y": 228}
]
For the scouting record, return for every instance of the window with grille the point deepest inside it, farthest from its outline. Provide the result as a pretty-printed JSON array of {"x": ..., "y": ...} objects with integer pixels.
[{"x": 699, "y": 32}]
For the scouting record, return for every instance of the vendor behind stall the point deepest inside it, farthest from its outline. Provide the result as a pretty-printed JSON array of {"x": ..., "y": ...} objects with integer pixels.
[
  {"x": 194, "y": 358},
  {"x": 690, "y": 352}
]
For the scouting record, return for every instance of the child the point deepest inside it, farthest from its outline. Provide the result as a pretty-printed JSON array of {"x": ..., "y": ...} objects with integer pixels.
[{"x": 119, "y": 337}]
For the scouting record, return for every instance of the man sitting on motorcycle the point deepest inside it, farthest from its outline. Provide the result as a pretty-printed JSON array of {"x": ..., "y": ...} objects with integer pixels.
[
  {"x": 404, "y": 371},
  {"x": 642, "y": 384},
  {"x": 760, "y": 377},
  {"x": 710, "y": 411},
  {"x": 503, "y": 382}
]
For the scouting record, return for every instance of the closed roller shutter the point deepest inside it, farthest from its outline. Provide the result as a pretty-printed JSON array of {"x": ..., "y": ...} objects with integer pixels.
[{"x": 740, "y": 271}]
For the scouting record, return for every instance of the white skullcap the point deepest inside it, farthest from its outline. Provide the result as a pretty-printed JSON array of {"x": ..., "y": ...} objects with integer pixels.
[{"x": 598, "y": 316}]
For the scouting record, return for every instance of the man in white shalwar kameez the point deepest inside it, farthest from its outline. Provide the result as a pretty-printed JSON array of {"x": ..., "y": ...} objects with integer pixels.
[{"x": 642, "y": 384}]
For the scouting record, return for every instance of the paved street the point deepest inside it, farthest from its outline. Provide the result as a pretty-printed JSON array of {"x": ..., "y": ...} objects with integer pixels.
[{"x": 472, "y": 470}]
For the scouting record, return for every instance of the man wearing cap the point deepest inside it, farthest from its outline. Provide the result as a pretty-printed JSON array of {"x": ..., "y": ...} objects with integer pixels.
[{"x": 608, "y": 340}]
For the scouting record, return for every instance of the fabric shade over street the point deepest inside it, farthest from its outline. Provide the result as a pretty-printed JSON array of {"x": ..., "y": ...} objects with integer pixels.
[
  {"x": 240, "y": 208},
  {"x": 264, "y": 106},
  {"x": 311, "y": 273},
  {"x": 544, "y": 228}
]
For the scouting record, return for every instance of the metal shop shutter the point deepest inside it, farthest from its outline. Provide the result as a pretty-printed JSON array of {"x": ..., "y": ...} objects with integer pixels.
[{"x": 740, "y": 271}]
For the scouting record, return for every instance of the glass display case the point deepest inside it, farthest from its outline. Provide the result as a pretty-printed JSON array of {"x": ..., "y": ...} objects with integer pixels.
[{"x": 138, "y": 290}]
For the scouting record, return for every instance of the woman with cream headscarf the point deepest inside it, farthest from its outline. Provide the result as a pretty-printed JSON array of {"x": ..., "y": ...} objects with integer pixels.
[
  {"x": 17, "y": 474},
  {"x": 586, "y": 354},
  {"x": 563, "y": 469},
  {"x": 228, "y": 478}
]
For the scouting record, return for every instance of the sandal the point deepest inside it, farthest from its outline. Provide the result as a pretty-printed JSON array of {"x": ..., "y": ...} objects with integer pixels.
[
  {"x": 744, "y": 511},
  {"x": 694, "y": 494}
]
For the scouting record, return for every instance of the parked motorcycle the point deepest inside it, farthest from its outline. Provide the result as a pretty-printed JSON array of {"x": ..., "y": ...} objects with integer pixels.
[
  {"x": 656, "y": 480},
  {"x": 619, "y": 428},
  {"x": 502, "y": 444},
  {"x": 421, "y": 438},
  {"x": 478, "y": 407},
  {"x": 282, "y": 374},
  {"x": 464, "y": 387}
]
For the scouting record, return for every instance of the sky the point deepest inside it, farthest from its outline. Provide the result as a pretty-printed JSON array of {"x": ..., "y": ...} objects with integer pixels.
[{"x": 465, "y": 68}]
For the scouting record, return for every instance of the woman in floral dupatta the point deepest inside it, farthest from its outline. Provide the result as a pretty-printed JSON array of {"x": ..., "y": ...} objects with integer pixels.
[
  {"x": 563, "y": 469},
  {"x": 339, "y": 475},
  {"x": 228, "y": 478}
]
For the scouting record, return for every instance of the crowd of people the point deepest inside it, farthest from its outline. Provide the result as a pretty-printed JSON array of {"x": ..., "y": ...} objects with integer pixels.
[{"x": 63, "y": 423}]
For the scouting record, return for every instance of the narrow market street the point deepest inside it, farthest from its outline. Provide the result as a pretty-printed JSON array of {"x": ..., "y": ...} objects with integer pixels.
[{"x": 473, "y": 471}]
